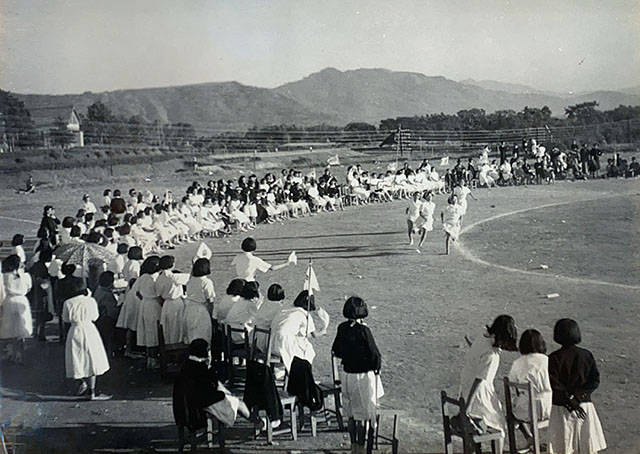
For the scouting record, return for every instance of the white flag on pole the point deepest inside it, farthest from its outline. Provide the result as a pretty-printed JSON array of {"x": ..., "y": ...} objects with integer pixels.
[
  {"x": 203, "y": 252},
  {"x": 444, "y": 161},
  {"x": 392, "y": 166},
  {"x": 310, "y": 280}
]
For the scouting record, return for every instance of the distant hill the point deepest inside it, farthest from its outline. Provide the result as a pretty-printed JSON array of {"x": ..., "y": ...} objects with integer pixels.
[
  {"x": 226, "y": 105},
  {"x": 329, "y": 96}
]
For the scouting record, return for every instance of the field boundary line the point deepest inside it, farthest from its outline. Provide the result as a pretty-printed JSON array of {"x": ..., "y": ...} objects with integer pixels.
[
  {"x": 20, "y": 220},
  {"x": 467, "y": 254}
]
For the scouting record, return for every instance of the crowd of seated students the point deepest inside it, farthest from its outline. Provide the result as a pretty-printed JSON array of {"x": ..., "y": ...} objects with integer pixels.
[{"x": 533, "y": 163}]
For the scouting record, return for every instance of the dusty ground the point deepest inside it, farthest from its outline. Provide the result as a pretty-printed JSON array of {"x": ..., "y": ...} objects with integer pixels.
[{"x": 421, "y": 307}]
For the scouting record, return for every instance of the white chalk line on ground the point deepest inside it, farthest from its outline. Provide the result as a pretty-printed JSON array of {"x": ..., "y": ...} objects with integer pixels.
[
  {"x": 20, "y": 220},
  {"x": 467, "y": 254}
]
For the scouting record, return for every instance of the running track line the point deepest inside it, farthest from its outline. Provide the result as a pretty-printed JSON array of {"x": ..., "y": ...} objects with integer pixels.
[
  {"x": 21, "y": 220},
  {"x": 470, "y": 256}
]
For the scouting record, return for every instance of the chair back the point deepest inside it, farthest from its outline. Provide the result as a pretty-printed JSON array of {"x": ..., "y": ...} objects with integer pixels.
[
  {"x": 258, "y": 354},
  {"x": 162, "y": 351},
  {"x": 523, "y": 390},
  {"x": 335, "y": 370}
]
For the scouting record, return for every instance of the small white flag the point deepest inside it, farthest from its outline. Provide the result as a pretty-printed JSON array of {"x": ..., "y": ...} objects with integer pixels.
[
  {"x": 203, "y": 252},
  {"x": 293, "y": 258},
  {"x": 310, "y": 280},
  {"x": 312, "y": 174},
  {"x": 392, "y": 166},
  {"x": 444, "y": 161},
  {"x": 333, "y": 161}
]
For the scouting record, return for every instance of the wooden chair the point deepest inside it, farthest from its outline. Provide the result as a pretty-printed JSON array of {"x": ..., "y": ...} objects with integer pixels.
[
  {"x": 470, "y": 441},
  {"x": 289, "y": 404},
  {"x": 9, "y": 440},
  {"x": 206, "y": 434},
  {"x": 525, "y": 389},
  {"x": 238, "y": 350},
  {"x": 328, "y": 390},
  {"x": 266, "y": 357},
  {"x": 391, "y": 440},
  {"x": 171, "y": 356}
]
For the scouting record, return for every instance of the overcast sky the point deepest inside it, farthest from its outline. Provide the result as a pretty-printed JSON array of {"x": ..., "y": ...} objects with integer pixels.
[{"x": 74, "y": 46}]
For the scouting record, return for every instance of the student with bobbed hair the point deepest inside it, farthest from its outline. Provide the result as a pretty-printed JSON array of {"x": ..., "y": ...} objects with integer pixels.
[
  {"x": 247, "y": 264},
  {"x": 200, "y": 294},
  {"x": 149, "y": 309},
  {"x": 574, "y": 426},
  {"x": 108, "y": 310},
  {"x": 531, "y": 367},
  {"x": 361, "y": 363},
  {"x": 244, "y": 310},
  {"x": 268, "y": 311},
  {"x": 16, "y": 323},
  {"x": 131, "y": 268},
  {"x": 292, "y": 329},
  {"x": 479, "y": 371},
  {"x": 232, "y": 295}
]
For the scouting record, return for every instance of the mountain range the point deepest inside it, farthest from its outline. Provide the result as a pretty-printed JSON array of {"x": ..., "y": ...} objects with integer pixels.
[{"x": 329, "y": 96}]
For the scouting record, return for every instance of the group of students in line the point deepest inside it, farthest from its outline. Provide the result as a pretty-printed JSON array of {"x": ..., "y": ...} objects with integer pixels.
[{"x": 563, "y": 384}]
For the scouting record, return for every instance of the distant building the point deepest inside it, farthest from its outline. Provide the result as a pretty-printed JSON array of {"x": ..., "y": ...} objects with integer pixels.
[{"x": 48, "y": 119}]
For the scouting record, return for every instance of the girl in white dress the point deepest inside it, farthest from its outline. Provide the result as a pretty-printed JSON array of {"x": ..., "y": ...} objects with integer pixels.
[
  {"x": 462, "y": 191},
  {"x": 532, "y": 367},
  {"x": 17, "y": 242},
  {"x": 131, "y": 268},
  {"x": 85, "y": 356},
  {"x": 292, "y": 329},
  {"x": 149, "y": 309},
  {"x": 15, "y": 322},
  {"x": 172, "y": 315},
  {"x": 451, "y": 221},
  {"x": 232, "y": 296},
  {"x": 267, "y": 312},
  {"x": 413, "y": 215},
  {"x": 199, "y": 303},
  {"x": 426, "y": 213},
  {"x": 481, "y": 363}
]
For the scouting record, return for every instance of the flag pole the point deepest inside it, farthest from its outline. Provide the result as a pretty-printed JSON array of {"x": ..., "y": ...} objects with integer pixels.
[{"x": 309, "y": 291}]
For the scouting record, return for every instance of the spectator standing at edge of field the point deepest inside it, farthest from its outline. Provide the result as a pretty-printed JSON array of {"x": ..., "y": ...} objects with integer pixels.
[
  {"x": 49, "y": 226},
  {"x": 574, "y": 426},
  {"x": 16, "y": 323},
  {"x": 360, "y": 376},
  {"x": 479, "y": 371},
  {"x": 247, "y": 264}
]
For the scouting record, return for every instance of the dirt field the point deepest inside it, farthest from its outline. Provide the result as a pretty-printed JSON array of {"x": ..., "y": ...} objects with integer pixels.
[{"x": 421, "y": 305}]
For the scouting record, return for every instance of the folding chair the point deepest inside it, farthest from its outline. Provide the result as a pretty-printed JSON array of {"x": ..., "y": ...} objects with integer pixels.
[
  {"x": 266, "y": 357},
  {"x": 170, "y": 356},
  {"x": 527, "y": 390},
  {"x": 290, "y": 427},
  {"x": 392, "y": 439},
  {"x": 471, "y": 442}
]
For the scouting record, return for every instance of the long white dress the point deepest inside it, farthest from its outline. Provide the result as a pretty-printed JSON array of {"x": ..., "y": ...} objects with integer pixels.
[
  {"x": 428, "y": 208},
  {"x": 197, "y": 320},
  {"x": 289, "y": 331},
  {"x": 149, "y": 311},
  {"x": 15, "y": 318},
  {"x": 532, "y": 368},
  {"x": 128, "y": 318},
  {"x": 481, "y": 362},
  {"x": 172, "y": 315},
  {"x": 451, "y": 223},
  {"x": 462, "y": 192},
  {"x": 85, "y": 355}
]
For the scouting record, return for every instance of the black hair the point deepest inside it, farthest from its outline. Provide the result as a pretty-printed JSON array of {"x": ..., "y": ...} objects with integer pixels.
[
  {"x": 47, "y": 208},
  {"x": 167, "y": 262},
  {"x": 75, "y": 232},
  {"x": 250, "y": 290},
  {"x": 201, "y": 268},
  {"x": 11, "y": 264},
  {"x": 532, "y": 341},
  {"x": 68, "y": 222},
  {"x": 505, "y": 333},
  {"x": 106, "y": 279},
  {"x": 199, "y": 348},
  {"x": 67, "y": 269},
  {"x": 135, "y": 253},
  {"x": 150, "y": 265},
  {"x": 17, "y": 240},
  {"x": 566, "y": 332},
  {"x": 235, "y": 287},
  {"x": 248, "y": 244},
  {"x": 355, "y": 308},
  {"x": 123, "y": 248},
  {"x": 76, "y": 288},
  {"x": 45, "y": 255},
  {"x": 303, "y": 301},
  {"x": 275, "y": 293}
]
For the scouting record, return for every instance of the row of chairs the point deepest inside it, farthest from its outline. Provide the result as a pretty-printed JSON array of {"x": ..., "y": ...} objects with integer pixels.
[{"x": 464, "y": 429}]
